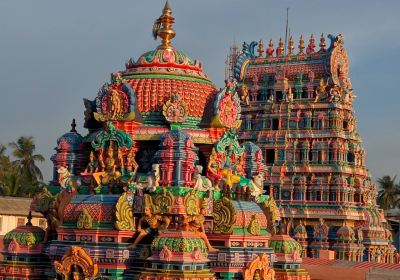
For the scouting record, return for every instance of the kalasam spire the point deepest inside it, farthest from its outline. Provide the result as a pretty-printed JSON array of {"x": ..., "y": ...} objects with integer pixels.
[{"x": 163, "y": 27}]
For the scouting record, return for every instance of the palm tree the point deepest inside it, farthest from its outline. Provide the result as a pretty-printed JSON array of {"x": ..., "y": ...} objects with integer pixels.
[
  {"x": 11, "y": 184},
  {"x": 26, "y": 160},
  {"x": 389, "y": 193}
]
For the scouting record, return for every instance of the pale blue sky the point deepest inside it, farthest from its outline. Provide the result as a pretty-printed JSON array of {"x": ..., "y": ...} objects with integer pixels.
[{"x": 54, "y": 53}]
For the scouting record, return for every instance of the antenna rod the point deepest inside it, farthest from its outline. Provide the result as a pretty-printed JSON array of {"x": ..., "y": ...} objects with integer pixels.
[{"x": 286, "y": 32}]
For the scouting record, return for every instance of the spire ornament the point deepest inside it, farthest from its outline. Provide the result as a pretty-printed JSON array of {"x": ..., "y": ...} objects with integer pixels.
[
  {"x": 301, "y": 45},
  {"x": 270, "y": 50},
  {"x": 73, "y": 126},
  {"x": 290, "y": 46},
  {"x": 260, "y": 49},
  {"x": 280, "y": 49},
  {"x": 29, "y": 217},
  {"x": 311, "y": 45},
  {"x": 322, "y": 43},
  {"x": 163, "y": 27}
]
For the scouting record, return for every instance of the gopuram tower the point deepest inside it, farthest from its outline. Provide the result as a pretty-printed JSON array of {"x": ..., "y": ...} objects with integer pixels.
[{"x": 297, "y": 107}]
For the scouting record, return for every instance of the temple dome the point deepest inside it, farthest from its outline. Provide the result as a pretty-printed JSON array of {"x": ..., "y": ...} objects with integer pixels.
[
  {"x": 166, "y": 60},
  {"x": 284, "y": 244},
  {"x": 26, "y": 235},
  {"x": 345, "y": 233},
  {"x": 70, "y": 141},
  {"x": 160, "y": 73}
]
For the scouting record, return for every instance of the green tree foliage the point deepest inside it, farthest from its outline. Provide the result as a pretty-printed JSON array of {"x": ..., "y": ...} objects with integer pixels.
[
  {"x": 19, "y": 175},
  {"x": 389, "y": 192}
]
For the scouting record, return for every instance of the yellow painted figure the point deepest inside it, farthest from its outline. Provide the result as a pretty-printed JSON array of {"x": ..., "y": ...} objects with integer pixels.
[
  {"x": 154, "y": 222},
  {"x": 110, "y": 172},
  {"x": 195, "y": 224}
]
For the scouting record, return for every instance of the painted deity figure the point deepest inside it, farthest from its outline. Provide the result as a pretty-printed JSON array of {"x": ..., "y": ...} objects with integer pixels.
[
  {"x": 300, "y": 231},
  {"x": 93, "y": 164},
  {"x": 110, "y": 168},
  {"x": 321, "y": 230},
  {"x": 359, "y": 233},
  {"x": 289, "y": 95},
  {"x": 212, "y": 167},
  {"x": 335, "y": 93},
  {"x": 257, "y": 185},
  {"x": 115, "y": 102},
  {"x": 320, "y": 91},
  {"x": 230, "y": 167},
  {"x": 110, "y": 163},
  {"x": 152, "y": 223},
  {"x": 121, "y": 160},
  {"x": 153, "y": 178},
  {"x": 195, "y": 223},
  {"x": 102, "y": 165},
  {"x": 245, "y": 95},
  {"x": 131, "y": 165}
]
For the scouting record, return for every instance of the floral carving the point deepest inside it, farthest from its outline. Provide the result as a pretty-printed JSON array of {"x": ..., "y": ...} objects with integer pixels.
[
  {"x": 254, "y": 226},
  {"x": 175, "y": 109},
  {"x": 76, "y": 256},
  {"x": 260, "y": 266},
  {"x": 85, "y": 221},
  {"x": 224, "y": 216},
  {"x": 123, "y": 214}
]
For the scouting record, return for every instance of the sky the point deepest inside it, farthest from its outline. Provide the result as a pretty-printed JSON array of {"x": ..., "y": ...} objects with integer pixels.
[{"x": 55, "y": 53}]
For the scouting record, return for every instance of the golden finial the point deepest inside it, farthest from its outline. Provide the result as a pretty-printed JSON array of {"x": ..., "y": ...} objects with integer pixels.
[
  {"x": 260, "y": 49},
  {"x": 163, "y": 27},
  {"x": 279, "y": 50},
  {"x": 311, "y": 44},
  {"x": 322, "y": 43},
  {"x": 270, "y": 50},
  {"x": 301, "y": 45},
  {"x": 290, "y": 45}
]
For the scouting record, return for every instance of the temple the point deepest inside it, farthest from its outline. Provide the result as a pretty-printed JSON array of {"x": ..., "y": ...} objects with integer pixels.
[
  {"x": 176, "y": 179},
  {"x": 297, "y": 107}
]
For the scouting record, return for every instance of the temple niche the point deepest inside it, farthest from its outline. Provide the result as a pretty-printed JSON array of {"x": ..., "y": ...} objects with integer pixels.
[{"x": 300, "y": 115}]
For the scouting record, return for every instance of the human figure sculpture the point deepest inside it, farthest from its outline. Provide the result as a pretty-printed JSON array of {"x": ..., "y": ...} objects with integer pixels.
[
  {"x": 102, "y": 165},
  {"x": 111, "y": 165},
  {"x": 110, "y": 169},
  {"x": 257, "y": 186},
  {"x": 320, "y": 91},
  {"x": 321, "y": 230},
  {"x": 93, "y": 165},
  {"x": 153, "y": 223},
  {"x": 153, "y": 179},
  {"x": 300, "y": 231},
  {"x": 131, "y": 165},
  {"x": 245, "y": 95},
  {"x": 335, "y": 93},
  {"x": 195, "y": 223},
  {"x": 270, "y": 98},
  {"x": 121, "y": 161},
  {"x": 116, "y": 107},
  {"x": 359, "y": 232},
  {"x": 229, "y": 167},
  {"x": 285, "y": 226},
  {"x": 289, "y": 95},
  {"x": 213, "y": 168}
]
